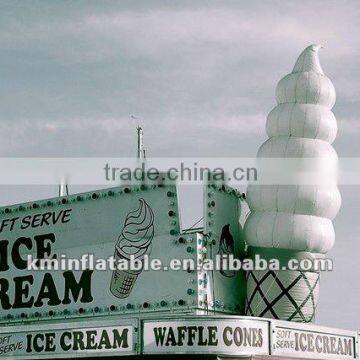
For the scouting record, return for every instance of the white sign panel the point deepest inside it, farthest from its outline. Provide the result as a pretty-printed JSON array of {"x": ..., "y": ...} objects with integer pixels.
[
  {"x": 93, "y": 228},
  {"x": 222, "y": 211},
  {"x": 302, "y": 343},
  {"x": 232, "y": 337},
  {"x": 68, "y": 342}
]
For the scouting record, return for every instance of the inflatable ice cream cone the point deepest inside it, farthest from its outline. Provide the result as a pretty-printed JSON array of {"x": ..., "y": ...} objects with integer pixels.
[
  {"x": 134, "y": 241},
  {"x": 294, "y": 221}
]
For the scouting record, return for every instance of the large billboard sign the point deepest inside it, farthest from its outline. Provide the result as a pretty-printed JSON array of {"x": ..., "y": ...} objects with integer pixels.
[
  {"x": 123, "y": 223},
  {"x": 206, "y": 336}
]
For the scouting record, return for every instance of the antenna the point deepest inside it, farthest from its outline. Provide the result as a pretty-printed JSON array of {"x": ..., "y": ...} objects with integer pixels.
[
  {"x": 140, "y": 144},
  {"x": 63, "y": 188}
]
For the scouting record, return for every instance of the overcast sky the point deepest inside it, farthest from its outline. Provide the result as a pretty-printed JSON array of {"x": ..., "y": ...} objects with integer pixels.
[{"x": 200, "y": 75}]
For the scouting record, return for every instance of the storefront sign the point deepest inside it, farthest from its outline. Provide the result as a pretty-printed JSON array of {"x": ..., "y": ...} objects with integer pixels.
[
  {"x": 312, "y": 343},
  {"x": 223, "y": 336},
  {"x": 66, "y": 342},
  {"x": 92, "y": 229}
]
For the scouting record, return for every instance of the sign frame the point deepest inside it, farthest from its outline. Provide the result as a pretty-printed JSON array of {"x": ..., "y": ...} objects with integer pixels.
[
  {"x": 237, "y": 320},
  {"x": 42, "y": 327},
  {"x": 311, "y": 329}
]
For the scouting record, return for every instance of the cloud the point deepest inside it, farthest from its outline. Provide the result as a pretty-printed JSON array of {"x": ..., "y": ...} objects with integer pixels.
[
  {"x": 242, "y": 125},
  {"x": 187, "y": 70},
  {"x": 349, "y": 125}
]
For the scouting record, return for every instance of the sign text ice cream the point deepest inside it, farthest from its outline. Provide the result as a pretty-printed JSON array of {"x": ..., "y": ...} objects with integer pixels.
[
  {"x": 67, "y": 341},
  {"x": 17, "y": 292}
]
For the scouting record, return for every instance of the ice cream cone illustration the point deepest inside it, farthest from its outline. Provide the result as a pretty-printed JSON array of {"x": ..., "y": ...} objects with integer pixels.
[
  {"x": 226, "y": 247},
  {"x": 134, "y": 241}
]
